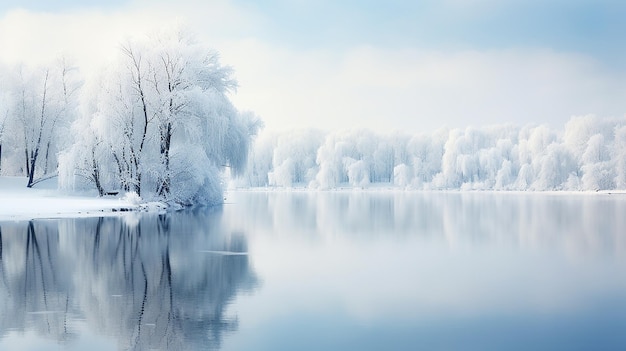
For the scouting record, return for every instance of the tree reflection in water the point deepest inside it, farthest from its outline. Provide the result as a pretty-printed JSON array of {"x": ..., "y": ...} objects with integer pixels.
[{"x": 149, "y": 281}]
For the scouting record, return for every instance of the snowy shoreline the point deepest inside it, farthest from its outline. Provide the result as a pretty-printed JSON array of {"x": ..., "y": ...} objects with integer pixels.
[
  {"x": 17, "y": 202},
  {"x": 395, "y": 189},
  {"x": 45, "y": 201}
]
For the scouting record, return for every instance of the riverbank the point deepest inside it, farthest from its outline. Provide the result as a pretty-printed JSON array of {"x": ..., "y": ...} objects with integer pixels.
[
  {"x": 17, "y": 202},
  {"x": 45, "y": 200}
]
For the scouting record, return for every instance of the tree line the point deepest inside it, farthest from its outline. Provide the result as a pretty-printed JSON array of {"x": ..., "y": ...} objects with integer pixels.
[{"x": 588, "y": 154}]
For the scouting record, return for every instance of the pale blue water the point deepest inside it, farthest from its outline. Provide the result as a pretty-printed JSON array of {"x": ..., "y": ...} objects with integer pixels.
[{"x": 324, "y": 271}]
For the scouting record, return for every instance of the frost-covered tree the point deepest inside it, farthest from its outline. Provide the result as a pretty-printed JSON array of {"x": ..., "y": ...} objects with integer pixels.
[
  {"x": 4, "y": 118},
  {"x": 293, "y": 159},
  {"x": 259, "y": 162},
  {"x": 117, "y": 125},
  {"x": 11, "y": 145},
  {"x": 358, "y": 157},
  {"x": 531, "y": 146},
  {"x": 184, "y": 78},
  {"x": 42, "y": 105},
  {"x": 598, "y": 171},
  {"x": 425, "y": 153},
  {"x": 160, "y": 123}
]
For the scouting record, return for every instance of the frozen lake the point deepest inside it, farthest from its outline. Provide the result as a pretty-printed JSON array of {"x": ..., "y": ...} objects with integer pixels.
[{"x": 324, "y": 271}]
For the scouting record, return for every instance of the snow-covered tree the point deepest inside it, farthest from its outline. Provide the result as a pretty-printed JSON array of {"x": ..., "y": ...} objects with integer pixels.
[
  {"x": 42, "y": 105},
  {"x": 293, "y": 159},
  {"x": 160, "y": 123},
  {"x": 4, "y": 118}
]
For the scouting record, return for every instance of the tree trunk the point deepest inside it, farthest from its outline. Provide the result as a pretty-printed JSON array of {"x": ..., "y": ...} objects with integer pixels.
[
  {"x": 166, "y": 141},
  {"x": 45, "y": 168},
  {"x": 96, "y": 174},
  {"x": 137, "y": 81},
  {"x": 35, "y": 154},
  {"x": 27, "y": 161},
  {"x": 31, "y": 175},
  {"x": 138, "y": 185},
  {"x": 33, "y": 162}
]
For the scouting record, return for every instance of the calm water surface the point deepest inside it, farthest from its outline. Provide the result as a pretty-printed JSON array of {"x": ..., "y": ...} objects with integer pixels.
[{"x": 324, "y": 271}]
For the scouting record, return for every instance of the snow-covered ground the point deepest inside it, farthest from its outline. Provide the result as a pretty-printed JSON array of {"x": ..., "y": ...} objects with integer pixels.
[{"x": 18, "y": 202}]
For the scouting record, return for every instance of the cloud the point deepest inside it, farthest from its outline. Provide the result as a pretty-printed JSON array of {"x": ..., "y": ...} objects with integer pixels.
[
  {"x": 92, "y": 36},
  {"x": 89, "y": 37},
  {"x": 355, "y": 85},
  {"x": 413, "y": 90}
]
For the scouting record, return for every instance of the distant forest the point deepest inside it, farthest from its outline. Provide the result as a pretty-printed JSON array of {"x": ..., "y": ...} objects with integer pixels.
[{"x": 589, "y": 154}]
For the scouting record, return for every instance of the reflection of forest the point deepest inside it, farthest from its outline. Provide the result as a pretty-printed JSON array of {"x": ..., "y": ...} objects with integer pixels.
[
  {"x": 587, "y": 224},
  {"x": 150, "y": 281}
]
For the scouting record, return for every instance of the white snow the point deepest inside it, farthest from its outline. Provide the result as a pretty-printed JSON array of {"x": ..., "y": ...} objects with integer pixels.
[{"x": 17, "y": 202}]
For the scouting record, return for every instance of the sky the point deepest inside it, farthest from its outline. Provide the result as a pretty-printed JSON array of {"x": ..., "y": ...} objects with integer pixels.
[{"x": 412, "y": 66}]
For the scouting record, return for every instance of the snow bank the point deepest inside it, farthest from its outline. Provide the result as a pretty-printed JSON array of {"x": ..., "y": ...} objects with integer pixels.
[{"x": 17, "y": 202}]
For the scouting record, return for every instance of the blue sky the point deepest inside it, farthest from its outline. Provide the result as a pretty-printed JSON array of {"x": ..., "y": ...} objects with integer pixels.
[
  {"x": 410, "y": 65},
  {"x": 593, "y": 27}
]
